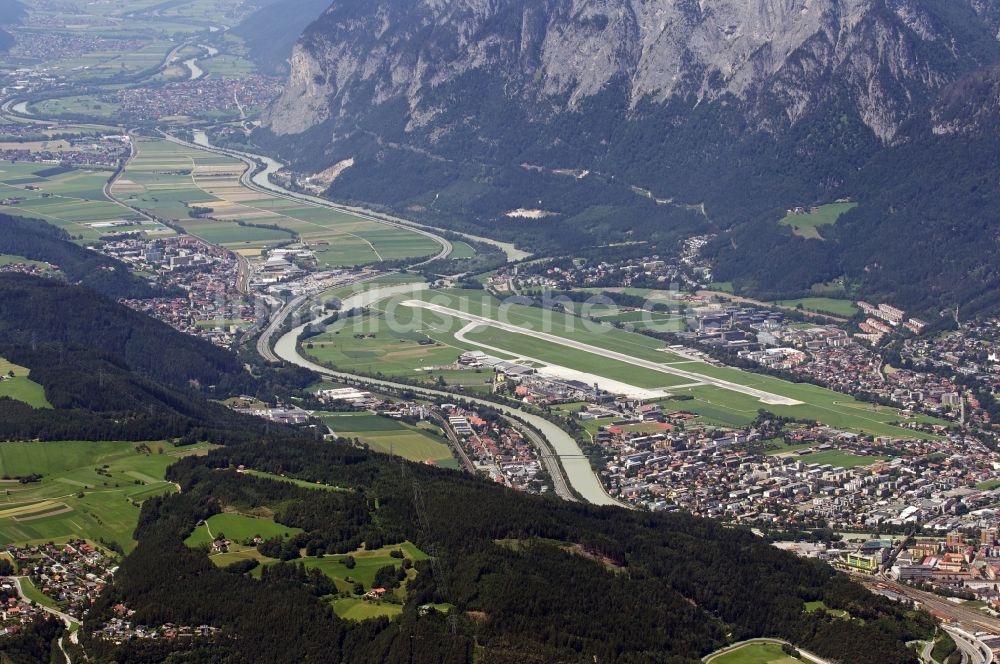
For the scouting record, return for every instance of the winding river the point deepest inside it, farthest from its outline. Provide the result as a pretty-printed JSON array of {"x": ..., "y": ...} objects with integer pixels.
[{"x": 575, "y": 465}]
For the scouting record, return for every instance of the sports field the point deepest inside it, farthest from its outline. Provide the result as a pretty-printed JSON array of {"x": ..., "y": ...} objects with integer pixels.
[
  {"x": 73, "y": 200},
  {"x": 87, "y": 489},
  {"x": 169, "y": 181},
  {"x": 454, "y": 319},
  {"x": 16, "y": 384},
  {"x": 806, "y": 225},
  {"x": 390, "y": 436}
]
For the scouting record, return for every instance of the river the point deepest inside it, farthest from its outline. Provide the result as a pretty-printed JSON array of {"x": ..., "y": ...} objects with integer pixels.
[{"x": 575, "y": 465}]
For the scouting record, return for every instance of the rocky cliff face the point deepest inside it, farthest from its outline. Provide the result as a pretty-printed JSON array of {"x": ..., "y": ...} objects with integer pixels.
[{"x": 776, "y": 59}]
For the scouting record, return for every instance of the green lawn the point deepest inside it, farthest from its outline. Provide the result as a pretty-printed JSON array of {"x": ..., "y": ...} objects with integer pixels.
[
  {"x": 988, "y": 485},
  {"x": 167, "y": 180},
  {"x": 807, "y": 225},
  {"x": 353, "y": 608},
  {"x": 21, "y": 387},
  {"x": 387, "y": 341},
  {"x": 823, "y": 305},
  {"x": 754, "y": 653},
  {"x": 73, "y": 499},
  {"x": 239, "y": 528},
  {"x": 390, "y": 436},
  {"x": 461, "y": 250},
  {"x": 821, "y": 606}
]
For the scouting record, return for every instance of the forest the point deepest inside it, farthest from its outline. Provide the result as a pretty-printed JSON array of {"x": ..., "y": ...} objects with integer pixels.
[
  {"x": 40, "y": 241},
  {"x": 531, "y": 579}
]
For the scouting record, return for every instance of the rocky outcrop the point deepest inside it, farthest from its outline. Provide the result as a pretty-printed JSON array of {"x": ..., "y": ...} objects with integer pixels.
[{"x": 777, "y": 59}]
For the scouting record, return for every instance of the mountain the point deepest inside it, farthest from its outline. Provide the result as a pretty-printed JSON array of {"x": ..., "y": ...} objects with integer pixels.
[
  {"x": 111, "y": 373},
  {"x": 272, "y": 29},
  {"x": 741, "y": 109},
  {"x": 525, "y": 579},
  {"x": 12, "y": 12},
  {"x": 37, "y": 240}
]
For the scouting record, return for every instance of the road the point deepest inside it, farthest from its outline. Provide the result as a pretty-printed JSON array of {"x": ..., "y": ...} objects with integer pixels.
[
  {"x": 65, "y": 617},
  {"x": 972, "y": 618},
  {"x": 456, "y": 444},
  {"x": 973, "y": 650},
  {"x": 549, "y": 460},
  {"x": 251, "y": 179},
  {"x": 763, "y": 396},
  {"x": 575, "y": 466}
]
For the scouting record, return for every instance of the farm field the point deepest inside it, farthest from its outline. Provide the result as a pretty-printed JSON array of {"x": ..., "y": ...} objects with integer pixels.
[
  {"x": 72, "y": 499},
  {"x": 73, "y": 200},
  {"x": 89, "y": 106},
  {"x": 722, "y": 395},
  {"x": 386, "y": 435},
  {"x": 754, "y": 653},
  {"x": 21, "y": 387},
  {"x": 806, "y": 225},
  {"x": 168, "y": 180},
  {"x": 823, "y": 305}
]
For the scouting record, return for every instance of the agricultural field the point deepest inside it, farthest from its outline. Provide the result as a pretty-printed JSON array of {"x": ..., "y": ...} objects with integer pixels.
[
  {"x": 71, "y": 199},
  {"x": 389, "y": 436},
  {"x": 822, "y": 305},
  {"x": 89, "y": 106},
  {"x": 754, "y": 653},
  {"x": 169, "y": 181},
  {"x": 15, "y": 383},
  {"x": 807, "y": 225},
  {"x": 722, "y": 395},
  {"x": 87, "y": 489}
]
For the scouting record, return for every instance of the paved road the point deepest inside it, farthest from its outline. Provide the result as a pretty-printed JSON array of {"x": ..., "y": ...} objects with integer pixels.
[
  {"x": 549, "y": 460},
  {"x": 973, "y": 650},
  {"x": 959, "y": 613},
  {"x": 764, "y": 397},
  {"x": 575, "y": 465},
  {"x": 251, "y": 180}
]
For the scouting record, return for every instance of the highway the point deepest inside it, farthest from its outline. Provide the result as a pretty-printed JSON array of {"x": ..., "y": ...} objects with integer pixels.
[
  {"x": 763, "y": 396},
  {"x": 972, "y": 618}
]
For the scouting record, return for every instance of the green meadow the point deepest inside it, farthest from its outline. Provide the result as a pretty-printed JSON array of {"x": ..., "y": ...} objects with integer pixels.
[
  {"x": 20, "y": 387},
  {"x": 168, "y": 180},
  {"x": 807, "y": 225},
  {"x": 238, "y": 527},
  {"x": 388, "y": 339},
  {"x": 87, "y": 489},
  {"x": 387, "y": 435}
]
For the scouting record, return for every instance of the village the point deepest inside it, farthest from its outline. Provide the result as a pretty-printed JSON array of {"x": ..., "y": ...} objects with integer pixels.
[{"x": 208, "y": 303}]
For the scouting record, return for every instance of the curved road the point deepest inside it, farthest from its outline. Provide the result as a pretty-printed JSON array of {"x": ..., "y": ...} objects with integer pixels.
[{"x": 574, "y": 464}]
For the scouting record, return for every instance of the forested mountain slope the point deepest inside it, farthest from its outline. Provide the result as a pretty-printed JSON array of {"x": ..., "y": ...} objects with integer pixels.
[
  {"x": 530, "y": 579},
  {"x": 37, "y": 240},
  {"x": 478, "y": 108}
]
